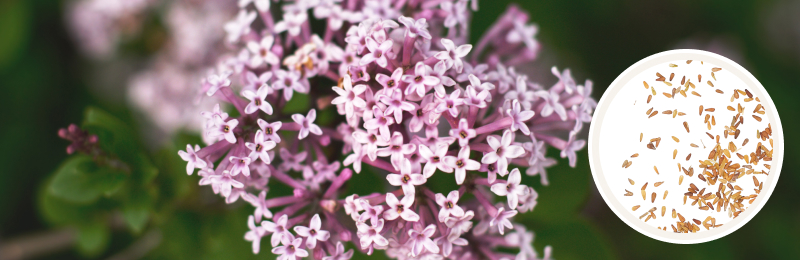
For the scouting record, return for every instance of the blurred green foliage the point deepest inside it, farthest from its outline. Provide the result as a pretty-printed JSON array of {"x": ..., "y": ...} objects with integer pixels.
[{"x": 44, "y": 82}]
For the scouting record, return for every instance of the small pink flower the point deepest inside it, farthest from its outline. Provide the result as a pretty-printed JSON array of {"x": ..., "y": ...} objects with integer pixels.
[
  {"x": 371, "y": 234},
  {"x": 396, "y": 149},
  {"x": 435, "y": 159},
  {"x": 503, "y": 151},
  {"x": 193, "y": 161},
  {"x": 390, "y": 83},
  {"x": 240, "y": 165},
  {"x": 422, "y": 240},
  {"x": 449, "y": 206},
  {"x": 421, "y": 81},
  {"x": 349, "y": 96},
  {"x": 291, "y": 250},
  {"x": 258, "y": 101},
  {"x": 463, "y": 133},
  {"x": 270, "y": 130},
  {"x": 377, "y": 53},
  {"x": 511, "y": 189},
  {"x": 452, "y": 55},
  {"x": 462, "y": 164},
  {"x": 406, "y": 179},
  {"x": 307, "y": 124},
  {"x": 401, "y": 208},
  {"x": 260, "y": 147},
  {"x": 312, "y": 233}
]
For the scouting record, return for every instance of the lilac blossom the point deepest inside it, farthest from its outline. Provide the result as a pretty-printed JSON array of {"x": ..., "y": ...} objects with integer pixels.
[
  {"x": 502, "y": 150},
  {"x": 312, "y": 233},
  {"x": 406, "y": 179},
  {"x": 258, "y": 100},
  {"x": 255, "y": 234},
  {"x": 192, "y": 160},
  {"x": 262, "y": 52},
  {"x": 378, "y": 53},
  {"x": 426, "y": 76},
  {"x": 260, "y": 147},
  {"x": 307, "y": 124},
  {"x": 290, "y": 250},
  {"x": 400, "y": 208},
  {"x": 420, "y": 82},
  {"x": 449, "y": 206}
]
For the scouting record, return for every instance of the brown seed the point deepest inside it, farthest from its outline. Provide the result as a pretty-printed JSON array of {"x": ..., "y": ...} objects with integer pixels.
[
  {"x": 671, "y": 75},
  {"x": 710, "y": 84},
  {"x": 758, "y": 118},
  {"x": 635, "y": 207},
  {"x": 676, "y": 139},
  {"x": 653, "y": 198},
  {"x": 628, "y": 193},
  {"x": 719, "y": 91},
  {"x": 658, "y": 183},
  {"x": 688, "y": 157},
  {"x": 714, "y": 70},
  {"x": 665, "y": 194},
  {"x": 649, "y": 97},
  {"x": 645, "y": 85},
  {"x": 696, "y": 94},
  {"x": 654, "y": 113},
  {"x": 683, "y": 80},
  {"x": 688, "y": 61},
  {"x": 710, "y": 109},
  {"x": 701, "y": 110},
  {"x": 674, "y": 213},
  {"x": 686, "y": 125},
  {"x": 731, "y": 108},
  {"x": 674, "y": 153},
  {"x": 655, "y": 168},
  {"x": 745, "y": 141},
  {"x": 644, "y": 186},
  {"x": 635, "y": 155}
]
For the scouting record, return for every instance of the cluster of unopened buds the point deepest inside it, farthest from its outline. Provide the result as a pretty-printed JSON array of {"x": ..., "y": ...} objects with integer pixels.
[{"x": 416, "y": 101}]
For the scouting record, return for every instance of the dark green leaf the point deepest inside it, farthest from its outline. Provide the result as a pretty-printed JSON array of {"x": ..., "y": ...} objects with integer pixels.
[
  {"x": 93, "y": 239},
  {"x": 58, "y": 211},
  {"x": 80, "y": 180},
  {"x": 114, "y": 135},
  {"x": 136, "y": 210}
]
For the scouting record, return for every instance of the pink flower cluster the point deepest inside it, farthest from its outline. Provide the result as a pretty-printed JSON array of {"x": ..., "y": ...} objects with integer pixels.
[{"x": 416, "y": 100}]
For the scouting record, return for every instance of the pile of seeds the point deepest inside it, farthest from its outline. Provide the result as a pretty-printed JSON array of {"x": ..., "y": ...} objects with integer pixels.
[{"x": 711, "y": 184}]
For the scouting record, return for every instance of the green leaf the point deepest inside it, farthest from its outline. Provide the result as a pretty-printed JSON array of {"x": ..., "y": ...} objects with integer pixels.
[
  {"x": 58, "y": 211},
  {"x": 136, "y": 211},
  {"x": 80, "y": 180},
  {"x": 93, "y": 239},
  {"x": 114, "y": 135},
  {"x": 144, "y": 171}
]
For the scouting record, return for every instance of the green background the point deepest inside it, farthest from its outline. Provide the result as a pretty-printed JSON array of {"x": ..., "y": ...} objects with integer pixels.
[{"x": 44, "y": 82}]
